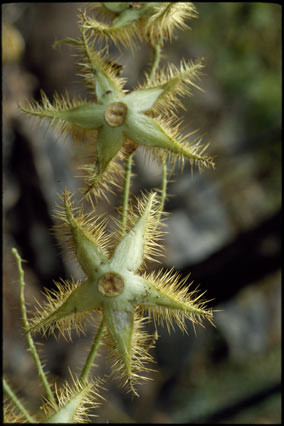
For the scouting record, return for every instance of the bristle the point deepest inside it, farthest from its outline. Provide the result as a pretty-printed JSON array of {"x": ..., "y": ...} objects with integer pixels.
[
  {"x": 97, "y": 185},
  {"x": 182, "y": 149},
  {"x": 139, "y": 356},
  {"x": 154, "y": 23},
  {"x": 153, "y": 233},
  {"x": 167, "y": 17},
  {"x": 182, "y": 303},
  {"x": 46, "y": 111},
  {"x": 94, "y": 61},
  {"x": 127, "y": 36},
  {"x": 47, "y": 320},
  {"x": 176, "y": 82},
  {"x": 11, "y": 414},
  {"x": 69, "y": 216},
  {"x": 83, "y": 397}
]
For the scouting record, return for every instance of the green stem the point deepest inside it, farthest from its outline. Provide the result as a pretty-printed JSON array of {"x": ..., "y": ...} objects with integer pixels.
[
  {"x": 163, "y": 189},
  {"x": 157, "y": 57},
  {"x": 16, "y": 401},
  {"x": 89, "y": 362},
  {"x": 126, "y": 193},
  {"x": 164, "y": 184},
  {"x": 26, "y": 327}
]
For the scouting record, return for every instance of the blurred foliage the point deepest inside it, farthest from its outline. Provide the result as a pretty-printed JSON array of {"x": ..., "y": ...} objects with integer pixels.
[
  {"x": 242, "y": 44},
  {"x": 224, "y": 384},
  {"x": 246, "y": 47}
]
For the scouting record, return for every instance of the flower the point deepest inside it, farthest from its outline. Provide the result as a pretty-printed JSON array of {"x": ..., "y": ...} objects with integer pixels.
[
  {"x": 116, "y": 120},
  {"x": 117, "y": 287},
  {"x": 132, "y": 21}
]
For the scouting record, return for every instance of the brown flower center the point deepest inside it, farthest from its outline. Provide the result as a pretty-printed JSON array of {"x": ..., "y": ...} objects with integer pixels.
[
  {"x": 116, "y": 113},
  {"x": 111, "y": 284}
]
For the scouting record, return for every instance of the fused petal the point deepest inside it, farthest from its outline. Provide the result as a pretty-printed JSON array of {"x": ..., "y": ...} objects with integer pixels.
[
  {"x": 108, "y": 145},
  {"x": 96, "y": 69},
  {"x": 149, "y": 132},
  {"x": 169, "y": 298},
  {"x": 87, "y": 116},
  {"x": 130, "y": 252},
  {"x": 145, "y": 131},
  {"x": 175, "y": 83},
  {"x": 120, "y": 325},
  {"x": 125, "y": 17},
  {"x": 66, "y": 115},
  {"x": 85, "y": 240},
  {"x": 110, "y": 141},
  {"x": 73, "y": 402},
  {"x": 66, "y": 307},
  {"x": 132, "y": 344},
  {"x": 141, "y": 100}
]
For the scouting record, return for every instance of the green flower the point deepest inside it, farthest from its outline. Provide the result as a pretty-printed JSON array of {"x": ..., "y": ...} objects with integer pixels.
[
  {"x": 116, "y": 119},
  {"x": 117, "y": 287},
  {"x": 129, "y": 22}
]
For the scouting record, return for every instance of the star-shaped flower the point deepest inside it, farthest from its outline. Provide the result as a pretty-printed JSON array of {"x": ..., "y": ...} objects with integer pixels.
[
  {"x": 129, "y": 22},
  {"x": 116, "y": 285},
  {"x": 115, "y": 119}
]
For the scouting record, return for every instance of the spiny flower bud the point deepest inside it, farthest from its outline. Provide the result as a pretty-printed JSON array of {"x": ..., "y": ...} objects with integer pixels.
[{"x": 132, "y": 21}]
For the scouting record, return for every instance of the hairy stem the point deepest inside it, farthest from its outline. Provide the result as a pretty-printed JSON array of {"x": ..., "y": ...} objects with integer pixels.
[
  {"x": 93, "y": 352},
  {"x": 164, "y": 185},
  {"x": 16, "y": 401},
  {"x": 157, "y": 57},
  {"x": 26, "y": 327},
  {"x": 126, "y": 188}
]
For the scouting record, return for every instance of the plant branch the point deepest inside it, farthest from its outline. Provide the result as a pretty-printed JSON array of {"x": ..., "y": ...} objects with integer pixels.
[
  {"x": 126, "y": 193},
  {"x": 157, "y": 57},
  {"x": 164, "y": 184},
  {"x": 26, "y": 327},
  {"x": 17, "y": 402},
  {"x": 89, "y": 362}
]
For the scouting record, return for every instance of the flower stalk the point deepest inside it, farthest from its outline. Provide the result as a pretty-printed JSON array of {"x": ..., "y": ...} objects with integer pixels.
[
  {"x": 93, "y": 352},
  {"x": 30, "y": 341},
  {"x": 17, "y": 402},
  {"x": 126, "y": 190}
]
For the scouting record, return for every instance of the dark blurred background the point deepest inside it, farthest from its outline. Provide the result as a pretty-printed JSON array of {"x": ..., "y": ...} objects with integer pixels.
[{"x": 224, "y": 224}]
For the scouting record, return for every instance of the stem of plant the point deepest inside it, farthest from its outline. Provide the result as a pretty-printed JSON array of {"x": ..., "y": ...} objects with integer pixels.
[
  {"x": 126, "y": 193},
  {"x": 93, "y": 352},
  {"x": 16, "y": 401},
  {"x": 157, "y": 57},
  {"x": 26, "y": 327},
  {"x": 164, "y": 187}
]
